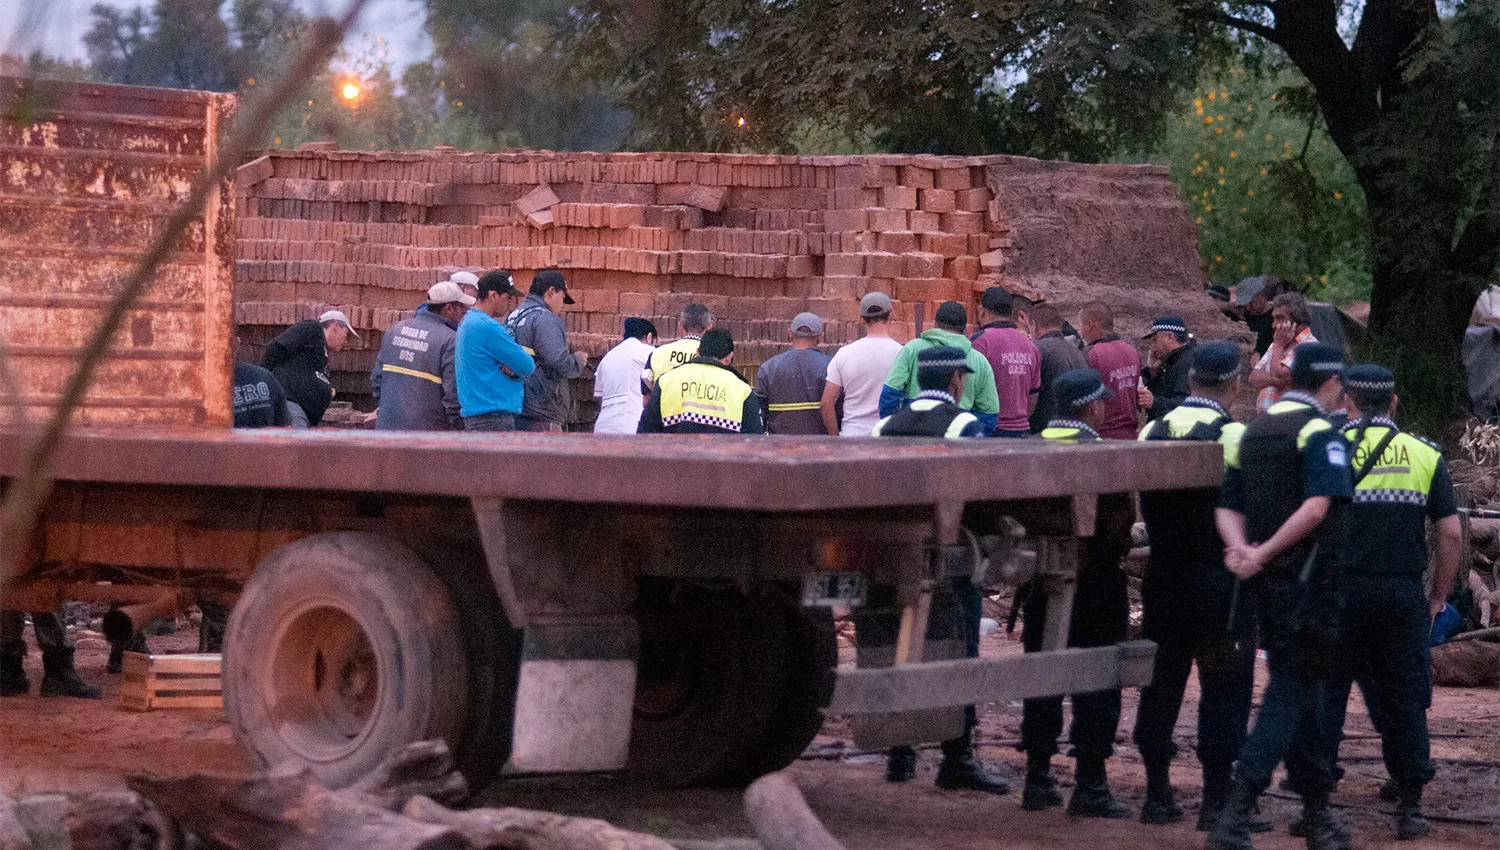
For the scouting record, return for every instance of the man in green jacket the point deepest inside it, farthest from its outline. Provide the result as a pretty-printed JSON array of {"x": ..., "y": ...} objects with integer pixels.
[{"x": 979, "y": 395}]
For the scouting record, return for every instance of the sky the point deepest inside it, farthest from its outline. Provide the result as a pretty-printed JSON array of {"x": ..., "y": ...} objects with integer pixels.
[{"x": 60, "y": 34}]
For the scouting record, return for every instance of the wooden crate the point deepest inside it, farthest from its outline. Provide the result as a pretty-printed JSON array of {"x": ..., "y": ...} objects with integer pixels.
[{"x": 171, "y": 681}]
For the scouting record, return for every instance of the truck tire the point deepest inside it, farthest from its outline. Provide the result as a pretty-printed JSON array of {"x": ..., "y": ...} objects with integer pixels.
[
  {"x": 343, "y": 648},
  {"x": 727, "y": 688}
]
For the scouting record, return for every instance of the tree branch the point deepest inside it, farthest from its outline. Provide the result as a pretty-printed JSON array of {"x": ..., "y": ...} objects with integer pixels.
[{"x": 1219, "y": 16}]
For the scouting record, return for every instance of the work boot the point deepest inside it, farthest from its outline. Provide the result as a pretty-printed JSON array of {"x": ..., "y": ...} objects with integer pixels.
[
  {"x": 59, "y": 679},
  {"x": 1390, "y": 792},
  {"x": 900, "y": 764},
  {"x": 1410, "y": 825},
  {"x": 1161, "y": 801},
  {"x": 1040, "y": 792},
  {"x": 1323, "y": 830},
  {"x": 1231, "y": 831},
  {"x": 13, "y": 681},
  {"x": 961, "y": 769},
  {"x": 1092, "y": 797}
]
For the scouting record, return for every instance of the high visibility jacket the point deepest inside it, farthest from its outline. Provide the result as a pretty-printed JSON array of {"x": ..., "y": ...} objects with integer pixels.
[
  {"x": 1070, "y": 430},
  {"x": 668, "y": 357},
  {"x": 1394, "y": 495},
  {"x": 1181, "y": 522},
  {"x": 702, "y": 397},
  {"x": 934, "y": 415}
]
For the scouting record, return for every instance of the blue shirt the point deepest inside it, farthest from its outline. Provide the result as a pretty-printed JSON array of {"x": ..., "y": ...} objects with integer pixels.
[{"x": 484, "y": 345}]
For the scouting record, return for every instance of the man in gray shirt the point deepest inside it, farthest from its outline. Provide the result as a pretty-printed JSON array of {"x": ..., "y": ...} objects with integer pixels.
[
  {"x": 1059, "y": 355},
  {"x": 790, "y": 385},
  {"x": 413, "y": 379},
  {"x": 539, "y": 329}
]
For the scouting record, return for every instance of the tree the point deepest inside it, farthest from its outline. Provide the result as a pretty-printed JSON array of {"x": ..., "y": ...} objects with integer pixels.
[
  {"x": 1408, "y": 89},
  {"x": 188, "y": 44}
]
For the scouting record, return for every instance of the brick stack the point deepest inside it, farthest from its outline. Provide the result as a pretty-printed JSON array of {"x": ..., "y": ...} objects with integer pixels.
[{"x": 756, "y": 238}]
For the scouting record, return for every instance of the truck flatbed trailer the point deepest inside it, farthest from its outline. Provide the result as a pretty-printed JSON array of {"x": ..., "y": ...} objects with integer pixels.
[{"x": 552, "y": 603}]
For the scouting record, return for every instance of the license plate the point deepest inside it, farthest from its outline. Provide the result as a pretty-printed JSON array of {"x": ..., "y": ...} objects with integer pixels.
[{"x": 822, "y": 590}]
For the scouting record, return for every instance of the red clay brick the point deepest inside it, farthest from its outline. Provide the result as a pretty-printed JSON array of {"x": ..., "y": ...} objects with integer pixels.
[
  {"x": 972, "y": 200},
  {"x": 962, "y": 268},
  {"x": 885, "y": 221},
  {"x": 837, "y": 221},
  {"x": 963, "y": 222},
  {"x": 898, "y": 198},
  {"x": 897, "y": 242},
  {"x": 925, "y": 222},
  {"x": 937, "y": 200},
  {"x": 881, "y": 264},
  {"x": 952, "y": 178},
  {"x": 844, "y": 265},
  {"x": 915, "y": 177},
  {"x": 919, "y": 265}
]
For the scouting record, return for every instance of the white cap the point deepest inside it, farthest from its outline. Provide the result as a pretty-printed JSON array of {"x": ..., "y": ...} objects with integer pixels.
[
  {"x": 446, "y": 292},
  {"x": 465, "y": 279},
  {"x": 337, "y": 316}
]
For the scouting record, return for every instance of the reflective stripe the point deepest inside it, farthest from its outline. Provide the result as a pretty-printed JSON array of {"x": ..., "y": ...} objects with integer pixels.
[
  {"x": 400, "y": 370},
  {"x": 1406, "y": 467},
  {"x": 1315, "y": 426},
  {"x": 1390, "y": 496},
  {"x": 959, "y": 423},
  {"x": 794, "y": 405},
  {"x": 704, "y": 394},
  {"x": 1230, "y": 439}
]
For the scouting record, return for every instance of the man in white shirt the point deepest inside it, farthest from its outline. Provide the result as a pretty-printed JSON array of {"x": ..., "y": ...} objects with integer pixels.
[
  {"x": 858, "y": 372},
  {"x": 617, "y": 379}
]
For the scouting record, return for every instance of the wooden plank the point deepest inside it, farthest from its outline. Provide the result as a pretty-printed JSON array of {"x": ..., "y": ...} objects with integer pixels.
[
  {"x": 161, "y": 686},
  {"x": 187, "y": 663},
  {"x": 214, "y": 701}
]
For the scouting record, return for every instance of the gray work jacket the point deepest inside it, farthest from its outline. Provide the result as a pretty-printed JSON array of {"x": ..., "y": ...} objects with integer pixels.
[
  {"x": 542, "y": 333},
  {"x": 413, "y": 377}
]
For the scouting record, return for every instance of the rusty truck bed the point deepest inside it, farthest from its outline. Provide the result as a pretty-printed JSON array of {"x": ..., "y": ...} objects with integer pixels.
[{"x": 749, "y": 473}]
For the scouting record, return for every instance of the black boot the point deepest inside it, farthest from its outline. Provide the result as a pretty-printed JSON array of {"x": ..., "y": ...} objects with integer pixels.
[
  {"x": 1161, "y": 802},
  {"x": 1390, "y": 792},
  {"x": 960, "y": 768},
  {"x": 1323, "y": 830},
  {"x": 13, "y": 681},
  {"x": 60, "y": 679},
  {"x": 1040, "y": 792},
  {"x": 1091, "y": 794},
  {"x": 1410, "y": 825},
  {"x": 900, "y": 764},
  {"x": 1232, "y": 829}
]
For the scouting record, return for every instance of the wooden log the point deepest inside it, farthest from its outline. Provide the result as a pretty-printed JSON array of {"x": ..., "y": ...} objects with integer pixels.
[
  {"x": 288, "y": 811},
  {"x": 117, "y": 820},
  {"x": 421, "y": 769},
  {"x": 525, "y": 829},
  {"x": 780, "y": 816},
  {"x": 1478, "y": 634},
  {"x": 1467, "y": 664}
]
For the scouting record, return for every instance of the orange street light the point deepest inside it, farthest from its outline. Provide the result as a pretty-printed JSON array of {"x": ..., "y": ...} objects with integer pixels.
[{"x": 351, "y": 91}]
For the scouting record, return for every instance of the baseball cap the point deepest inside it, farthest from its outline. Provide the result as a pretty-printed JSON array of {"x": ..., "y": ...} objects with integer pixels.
[
  {"x": 942, "y": 358},
  {"x": 997, "y": 299},
  {"x": 499, "y": 281},
  {"x": 1175, "y": 324},
  {"x": 952, "y": 313},
  {"x": 1247, "y": 289},
  {"x": 551, "y": 279},
  {"x": 1370, "y": 378},
  {"x": 447, "y": 292},
  {"x": 875, "y": 304},
  {"x": 1315, "y": 362},
  {"x": 1079, "y": 388},
  {"x": 465, "y": 279},
  {"x": 1215, "y": 363},
  {"x": 807, "y": 324},
  {"x": 338, "y": 316}
]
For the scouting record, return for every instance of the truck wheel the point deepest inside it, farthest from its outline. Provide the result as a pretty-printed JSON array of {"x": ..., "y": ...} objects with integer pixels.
[
  {"x": 343, "y": 648},
  {"x": 814, "y": 657}
]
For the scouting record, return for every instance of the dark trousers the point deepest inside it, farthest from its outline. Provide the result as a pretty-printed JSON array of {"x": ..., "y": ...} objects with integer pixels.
[
  {"x": 539, "y": 426},
  {"x": 490, "y": 422},
  {"x": 1187, "y": 615},
  {"x": 1385, "y": 641},
  {"x": 1293, "y": 721},
  {"x": 47, "y": 626},
  {"x": 1101, "y": 612}
]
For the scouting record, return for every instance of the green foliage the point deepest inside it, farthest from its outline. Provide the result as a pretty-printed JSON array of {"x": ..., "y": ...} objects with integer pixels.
[{"x": 1268, "y": 190}]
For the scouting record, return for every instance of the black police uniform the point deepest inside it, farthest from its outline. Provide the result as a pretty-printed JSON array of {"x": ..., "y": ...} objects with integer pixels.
[
  {"x": 1192, "y": 610},
  {"x": 1101, "y": 614},
  {"x": 1287, "y": 456}
]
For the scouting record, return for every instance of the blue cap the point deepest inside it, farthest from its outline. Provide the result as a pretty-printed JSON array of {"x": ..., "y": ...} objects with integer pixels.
[
  {"x": 1215, "y": 363},
  {"x": 942, "y": 358},
  {"x": 1370, "y": 378},
  {"x": 1079, "y": 388},
  {"x": 1316, "y": 362},
  {"x": 1175, "y": 324}
]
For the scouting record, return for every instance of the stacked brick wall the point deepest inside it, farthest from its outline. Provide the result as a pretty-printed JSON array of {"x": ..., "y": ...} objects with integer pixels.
[{"x": 756, "y": 238}]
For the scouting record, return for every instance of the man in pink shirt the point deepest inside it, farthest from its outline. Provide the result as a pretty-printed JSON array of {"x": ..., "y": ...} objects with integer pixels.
[
  {"x": 1015, "y": 359},
  {"x": 1118, "y": 363}
]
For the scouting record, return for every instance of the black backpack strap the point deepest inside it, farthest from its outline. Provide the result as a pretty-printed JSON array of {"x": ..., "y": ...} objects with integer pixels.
[{"x": 1374, "y": 456}]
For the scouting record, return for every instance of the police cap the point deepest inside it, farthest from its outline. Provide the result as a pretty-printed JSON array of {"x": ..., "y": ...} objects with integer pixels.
[
  {"x": 944, "y": 359},
  {"x": 1079, "y": 388},
  {"x": 1172, "y": 324},
  {"x": 1215, "y": 363},
  {"x": 1315, "y": 362},
  {"x": 1370, "y": 378}
]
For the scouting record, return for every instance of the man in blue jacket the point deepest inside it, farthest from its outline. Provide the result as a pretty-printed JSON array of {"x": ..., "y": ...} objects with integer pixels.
[{"x": 489, "y": 364}]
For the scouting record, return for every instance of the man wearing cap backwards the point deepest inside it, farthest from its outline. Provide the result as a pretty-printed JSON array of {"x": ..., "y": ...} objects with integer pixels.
[
  {"x": 1191, "y": 607},
  {"x": 790, "y": 385},
  {"x": 978, "y": 396},
  {"x": 298, "y": 357},
  {"x": 1400, "y": 482},
  {"x": 413, "y": 378},
  {"x": 1282, "y": 515},
  {"x": 941, "y": 372},
  {"x": 1013, "y": 357},
  {"x": 857, "y": 372},
  {"x": 617, "y": 379},
  {"x": 1167, "y": 364},
  {"x": 1118, "y": 363},
  {"x": 539, "y": 329},
  {"x": 489, "y": 364},
  {"x": 692, "y": 322},
  {"x": 705, "y": 395},
  {"x": 1101, "y": 611}
]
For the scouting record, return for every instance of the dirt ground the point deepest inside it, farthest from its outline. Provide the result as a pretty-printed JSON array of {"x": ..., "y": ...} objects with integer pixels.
[{"x": 72, "y": 745}]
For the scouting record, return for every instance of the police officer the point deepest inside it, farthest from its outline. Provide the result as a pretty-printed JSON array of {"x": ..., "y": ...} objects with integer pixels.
[
  {"x": 1191, "y": 608},
  {"x": 1282, "y": 517},
  {"x": 1101, "y": 611},
  {"x": 941, "y": 372},
  {"x": 1400, "y": 482},
  {"x": 705, "y": 395}
]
